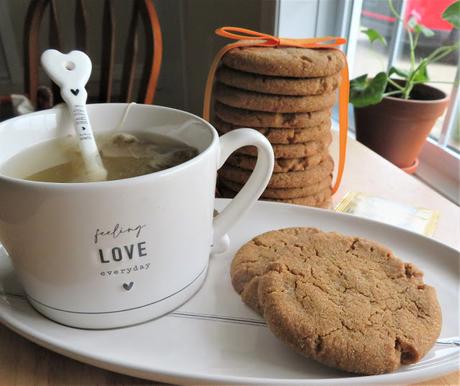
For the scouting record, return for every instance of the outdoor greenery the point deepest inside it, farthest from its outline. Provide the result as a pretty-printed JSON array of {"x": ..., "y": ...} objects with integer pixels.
[{"x": 365, "y": 91}]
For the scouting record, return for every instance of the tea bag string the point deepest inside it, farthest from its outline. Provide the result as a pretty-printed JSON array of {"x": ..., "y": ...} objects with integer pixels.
[
  {"x": 128, "y": 108},
  {"x": 124, "y": 118}
]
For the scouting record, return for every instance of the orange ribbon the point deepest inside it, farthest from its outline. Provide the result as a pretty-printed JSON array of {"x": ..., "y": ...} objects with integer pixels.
[{"x": 247, "y": 37}]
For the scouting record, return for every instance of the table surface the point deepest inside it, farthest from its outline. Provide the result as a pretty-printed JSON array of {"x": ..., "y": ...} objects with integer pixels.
[{"x": 25, "y": 363}]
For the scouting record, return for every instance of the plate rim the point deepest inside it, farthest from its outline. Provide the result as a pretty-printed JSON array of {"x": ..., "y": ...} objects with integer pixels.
[{"x": 446, "y": 365}]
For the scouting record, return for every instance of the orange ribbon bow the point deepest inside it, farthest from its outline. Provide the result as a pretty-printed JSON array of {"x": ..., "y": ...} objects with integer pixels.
[{"x": 247, "y": 37}]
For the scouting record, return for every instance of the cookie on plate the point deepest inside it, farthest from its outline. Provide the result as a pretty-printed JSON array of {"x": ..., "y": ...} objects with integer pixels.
[
  {"x": 344, "y": 301},
  {"x": 251, "y": 100},
  {"x": 277, "y": 85},
  {"x": 250, "y": 263},
  {"x": 285, "y": 61}
]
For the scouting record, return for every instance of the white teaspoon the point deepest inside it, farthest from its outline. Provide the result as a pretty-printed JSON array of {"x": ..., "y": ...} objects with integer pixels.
[{"x": 71, "y": 73}]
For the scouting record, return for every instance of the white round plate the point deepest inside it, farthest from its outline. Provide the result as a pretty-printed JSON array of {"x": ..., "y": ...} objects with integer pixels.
[{"x": 215, "y": 338}]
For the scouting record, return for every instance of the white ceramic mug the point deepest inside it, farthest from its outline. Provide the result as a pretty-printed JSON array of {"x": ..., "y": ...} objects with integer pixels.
[{"x": 114, "y": 253}]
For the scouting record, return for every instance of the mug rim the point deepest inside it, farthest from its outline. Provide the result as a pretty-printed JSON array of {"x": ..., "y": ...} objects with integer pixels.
[{"x": 101, "y": 184}]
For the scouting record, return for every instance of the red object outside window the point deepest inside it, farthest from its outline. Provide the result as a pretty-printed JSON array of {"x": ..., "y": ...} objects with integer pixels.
[{"x": 427, "y": 12}]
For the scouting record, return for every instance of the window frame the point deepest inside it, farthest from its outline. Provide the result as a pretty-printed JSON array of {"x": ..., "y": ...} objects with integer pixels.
[{"x": 439, "y": 165}]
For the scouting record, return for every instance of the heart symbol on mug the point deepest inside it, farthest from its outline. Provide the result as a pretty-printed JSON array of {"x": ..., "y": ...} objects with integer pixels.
[
  {"x": 127, "y": 287},
  {"x": 74, "y": 91}
]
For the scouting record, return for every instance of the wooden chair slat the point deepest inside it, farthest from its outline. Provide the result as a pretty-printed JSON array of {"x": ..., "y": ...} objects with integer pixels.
[
  {"x": 54, "y": 42},
  {"x": 153, "y": 52},
  {"x": 108, "y": 52},
  {"x": 143, "y": 11},
  {"x": 81, "y": 26},
  {"x": 54, "y": 36},
  {"x": 31, "y": 52},
  {"x": 129, "y": 66}
]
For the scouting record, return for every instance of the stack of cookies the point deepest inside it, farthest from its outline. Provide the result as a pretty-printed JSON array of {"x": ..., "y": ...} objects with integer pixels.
[{"x": 286, "y": 94}]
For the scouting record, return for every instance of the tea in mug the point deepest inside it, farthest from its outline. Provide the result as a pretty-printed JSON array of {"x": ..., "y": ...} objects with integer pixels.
[{"x": 123, "y": 155}]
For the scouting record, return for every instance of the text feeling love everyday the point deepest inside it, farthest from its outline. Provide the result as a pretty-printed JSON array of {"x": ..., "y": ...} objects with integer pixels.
[{"x": 127, "y": 252}]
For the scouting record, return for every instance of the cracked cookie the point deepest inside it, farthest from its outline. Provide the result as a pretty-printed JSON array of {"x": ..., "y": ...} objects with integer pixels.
[
  {"x": 298, "y": 179},
  {"x": 282, "y": 136},
  {"x": 294, "y": 150},
  {"x": 256, "y": 101},
  {"x": 287, "y": 193},
  {"x": 285, "y": 61},
  {"x": 344, "y": 301},
  {"x": 282, "y": 165},
  {"x": 306, "y": 201},
  {"x": 316, "y": 199},
  {"x": 277, "y": 85},
  {"x": 248, "y": 118}
]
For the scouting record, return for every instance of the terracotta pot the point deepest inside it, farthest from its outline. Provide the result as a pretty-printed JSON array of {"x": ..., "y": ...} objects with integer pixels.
[{"x": 397, "y": 128}]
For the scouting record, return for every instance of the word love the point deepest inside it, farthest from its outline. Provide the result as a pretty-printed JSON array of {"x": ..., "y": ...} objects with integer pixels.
[
  {"x": 116, "y": 231},
  {"x": 124, "y": 252}
]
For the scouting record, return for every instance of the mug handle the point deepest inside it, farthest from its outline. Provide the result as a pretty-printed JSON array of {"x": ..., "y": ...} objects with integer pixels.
[{"x": 253, "y": 187}]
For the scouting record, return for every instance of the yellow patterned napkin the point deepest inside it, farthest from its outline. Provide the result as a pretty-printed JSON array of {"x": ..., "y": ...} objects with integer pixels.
[{"x": 420, "y": 220}]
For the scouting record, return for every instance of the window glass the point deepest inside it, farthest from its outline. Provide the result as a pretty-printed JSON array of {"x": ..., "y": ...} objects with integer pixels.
[
  {"x": 454, "y": 138},
  {"x": 441, "y": 73},
  {"x": 372, "y": 58}
]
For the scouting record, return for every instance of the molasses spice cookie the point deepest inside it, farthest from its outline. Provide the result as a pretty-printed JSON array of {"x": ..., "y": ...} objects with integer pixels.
[
  {"x": 295, "y": 150},
  {"x": 249, "y": 118},
  {"x": 282, "y": 165},
  {"x": 251, "y": 100},
  {"x": 344, "y": 301},
  {"x": 284, "y": 194},
  {"x": 313, "y": 200},
  {"x": 285, "y": 61},
  {"x": 283, "y": 136},
  {"x": 299, "y": 179},
  {"x": 277, "y": 85}
]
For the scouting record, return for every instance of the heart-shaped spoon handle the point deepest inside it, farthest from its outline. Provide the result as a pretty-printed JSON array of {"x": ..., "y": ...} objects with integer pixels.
[{"x": 71, "y": 73}]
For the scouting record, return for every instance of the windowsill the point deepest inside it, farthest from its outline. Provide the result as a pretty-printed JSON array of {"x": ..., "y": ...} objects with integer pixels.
[
  {"x": 438, "y": 169},
  {"x": 441, "y": 183}
]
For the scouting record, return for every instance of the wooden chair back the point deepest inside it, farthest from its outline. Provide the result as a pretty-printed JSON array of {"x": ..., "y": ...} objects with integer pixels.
[{"x": 142, "y": 11}]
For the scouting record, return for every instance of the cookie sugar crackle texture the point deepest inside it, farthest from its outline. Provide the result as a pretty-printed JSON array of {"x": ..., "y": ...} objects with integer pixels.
[
  {"x": 344, "y": 301},
  {"x": 285, "y": 89}
]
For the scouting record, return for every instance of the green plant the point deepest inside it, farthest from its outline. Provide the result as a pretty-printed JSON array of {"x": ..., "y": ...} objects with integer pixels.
[{"x": 365, "y": 91}]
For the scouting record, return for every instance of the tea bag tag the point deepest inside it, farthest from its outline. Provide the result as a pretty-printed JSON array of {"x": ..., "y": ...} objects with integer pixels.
[{"x": 71, "y": 72}]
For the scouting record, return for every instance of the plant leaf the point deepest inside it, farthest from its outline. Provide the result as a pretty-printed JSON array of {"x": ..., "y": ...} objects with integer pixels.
[
  {"x": 365, "y": 92},
  {"x": 424, "y": 30},
  {"x": 452, "y": 14},
  {"x": 421, "y": 75},
  {"x": 359, "y": 82},
  {"x": 374, "y": 35},
  {"x": 402, "y": 73}
]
